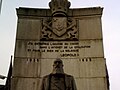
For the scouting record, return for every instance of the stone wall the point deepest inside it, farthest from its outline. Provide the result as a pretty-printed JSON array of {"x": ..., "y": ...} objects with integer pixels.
[{"x": 83, "y": 57}]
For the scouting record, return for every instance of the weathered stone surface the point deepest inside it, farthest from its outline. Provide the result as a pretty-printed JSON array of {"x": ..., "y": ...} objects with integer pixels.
[
  {"x": 82, "y": 83},
  {"x": 92, "y": 67},
  {"x": 79, "y": 68},
  {"x": 74, "y": 12},
  {"x": 80, "y": 46},
  {"x": 21, "y": 83},
  {"x": 91, "y": 83},
  {"x": 29, "y": 29},
  {"x": 62, "y": 49},
  {"x": 90, "y": 28},
  {"x": 27, "y": 67}
]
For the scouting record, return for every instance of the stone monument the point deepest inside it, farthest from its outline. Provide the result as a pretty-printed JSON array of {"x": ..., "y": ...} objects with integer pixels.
[{"x": 72, "y": 34}]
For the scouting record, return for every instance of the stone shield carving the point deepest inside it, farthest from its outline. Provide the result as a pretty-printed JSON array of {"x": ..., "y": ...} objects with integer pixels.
[{"x": 59, "y": 25}]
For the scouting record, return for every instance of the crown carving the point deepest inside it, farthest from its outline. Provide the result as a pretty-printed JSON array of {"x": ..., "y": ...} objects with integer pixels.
[{"x": 59, "y": 7}]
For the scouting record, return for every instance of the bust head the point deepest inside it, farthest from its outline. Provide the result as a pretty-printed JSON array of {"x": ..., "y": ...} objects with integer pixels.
[{"x": 58, "y": 67}]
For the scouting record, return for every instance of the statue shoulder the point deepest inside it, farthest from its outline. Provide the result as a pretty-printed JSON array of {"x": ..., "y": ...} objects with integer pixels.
[
  {"x": 69, "y": 76},
  {"x": 46, "y": 76}
]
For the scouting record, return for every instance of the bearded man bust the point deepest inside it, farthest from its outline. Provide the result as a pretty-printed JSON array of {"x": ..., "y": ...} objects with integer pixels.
[{"x": 58, "y": 80}]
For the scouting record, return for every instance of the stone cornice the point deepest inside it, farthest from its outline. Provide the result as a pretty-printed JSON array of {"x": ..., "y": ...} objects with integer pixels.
[{"x": 41, "y": 12}]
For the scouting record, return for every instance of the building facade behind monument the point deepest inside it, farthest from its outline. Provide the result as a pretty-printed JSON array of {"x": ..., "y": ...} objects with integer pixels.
[{"x": 75, "y": 37}]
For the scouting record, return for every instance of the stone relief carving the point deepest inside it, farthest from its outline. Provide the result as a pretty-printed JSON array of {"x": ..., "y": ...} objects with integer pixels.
[{"x": 59, "y": 28}]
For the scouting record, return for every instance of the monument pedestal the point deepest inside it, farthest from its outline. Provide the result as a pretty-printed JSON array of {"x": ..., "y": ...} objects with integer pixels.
[{"x": 75, "y": 38}]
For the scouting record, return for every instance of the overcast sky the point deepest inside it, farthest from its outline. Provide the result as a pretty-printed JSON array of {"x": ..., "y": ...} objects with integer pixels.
[{"x": 110, "y": 26}]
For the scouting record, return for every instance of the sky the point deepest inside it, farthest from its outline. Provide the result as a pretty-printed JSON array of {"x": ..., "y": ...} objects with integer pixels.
[{"x": 110, "y": 27}]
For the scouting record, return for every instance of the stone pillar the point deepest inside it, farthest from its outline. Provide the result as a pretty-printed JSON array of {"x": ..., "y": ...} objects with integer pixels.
[{"x": 74, "y": 35}]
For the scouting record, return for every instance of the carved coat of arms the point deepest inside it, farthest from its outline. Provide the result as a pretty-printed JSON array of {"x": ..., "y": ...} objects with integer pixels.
[{"x": 59, "y": 28}]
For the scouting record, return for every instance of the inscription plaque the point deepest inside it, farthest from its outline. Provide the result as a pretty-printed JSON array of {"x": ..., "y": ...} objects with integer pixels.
[{"x": 64, "y": 49}]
